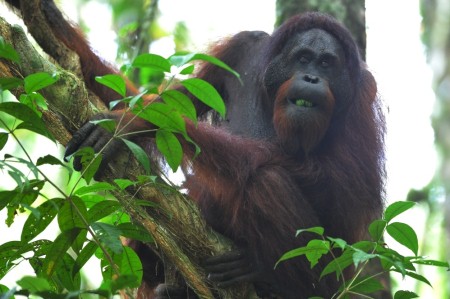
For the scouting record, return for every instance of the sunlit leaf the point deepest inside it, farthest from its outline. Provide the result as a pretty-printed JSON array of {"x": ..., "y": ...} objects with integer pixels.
[
  {"x": 35, "y": 101},
  {"x": 180, "y": 102},
  {"x": 38, "y": 81},
  {"x": 164, "y": 116},
  {"x": 124, "y": 183},
  {"x": 106, "y": 123},
  {"x": 10, "y": 83},
  {"x": 337, "y": 242},
  {"x": 360, "y": 256},
  {"x": 7, "y": 51},
  {"x": 206, "y": 93},
  {"x": 316, "y": 230},
  {"x": 169, "y": 145},
  {"x": 396, "y": 209},
  {"x": 180, "y": 60},
  {"x": 405, "y": 235},
  {"x": 339, "y": 264},
  {"x": 376, "y": 229},
  {"x": 31, "y": 120},
  {"x": 115, "y": 82},
  {"x": 152, "y": 61},
  {"x": 187, "y": 70},
  {"x": 313, "y": 251}
]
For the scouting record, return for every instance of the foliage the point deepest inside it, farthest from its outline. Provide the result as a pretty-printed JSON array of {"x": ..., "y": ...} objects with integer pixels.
[
  {"x": 359, "y": 254},
  {"x": 91, "y": 222}
]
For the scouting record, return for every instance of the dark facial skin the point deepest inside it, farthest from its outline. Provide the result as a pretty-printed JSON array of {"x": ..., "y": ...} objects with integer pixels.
[{"x": 307, "y": 79}]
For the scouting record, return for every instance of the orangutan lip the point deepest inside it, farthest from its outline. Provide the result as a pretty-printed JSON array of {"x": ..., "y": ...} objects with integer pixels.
[{"x": 302, "y": 103}]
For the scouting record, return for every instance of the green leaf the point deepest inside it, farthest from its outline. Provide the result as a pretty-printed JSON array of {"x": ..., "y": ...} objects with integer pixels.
[
  {"x": 109, "y": 235},
  {"x": 50, "y": 160},
  {"x": 405, "y": 235},
  {"x": 38, "y": 81},
  {"x": 31, "y": 120},
  {"x": 94, "y": 188},
  {"x": 432, "y": 263},
  {"x": 35, "y": 225},
  {"x": 124, "y": 183},
  {"x": 180, "y": 60},
  {"x": 360, "y": 256},
  {"x": 339, "y": 264},
  {"x": 320, "y": 247},
  {"x": 164, "y": 116},
  {"x": 152, "y": 61},
  {"x": 63, "y": 271},
  {"x": 58, "y": 249},
  {"x": 338, "y": 242},
  {"x": 106, "y": 123},
  {"x": 415, "y": 276},
  {"x": 10, "y": 83},
  {"x": 313, "y": 251},
  {"x": 366, "y": 285},
  {"x": 83, "y": 257},
  {"x": 102, "y": 209},
  {"x": 71, "y": 214},
  {"x": 396, "y": 209},
  {"x": 405, "y": 295},
  {"x": 90, "y": 162},
  {"x": 7, "y": 51},
  {"x": 206, "y": 93},
  {"x": 135, "y": 232},
  {"x": 187, "y": 70},
  {"x": 34, "y": 100},
  {"x": 139, "y": 153},
  {"x": 3, "y": 139},
  {"x": 129, "y": 264},
  {"x": 376, "y": 229},
  {"x": 115, "y": 82},
  {"x": 180, "y": 102},
  {"x": 34, "y": 284},
  {"x": 169, "y": 145},
  {"x": 316, "y": 230}
]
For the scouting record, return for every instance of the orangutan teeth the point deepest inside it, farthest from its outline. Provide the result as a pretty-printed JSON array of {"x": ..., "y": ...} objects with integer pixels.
[{"x": 303, "y": 103}]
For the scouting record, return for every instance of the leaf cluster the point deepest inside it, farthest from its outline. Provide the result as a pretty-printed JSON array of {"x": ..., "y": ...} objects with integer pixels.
[{"x": 357, "y": 256}]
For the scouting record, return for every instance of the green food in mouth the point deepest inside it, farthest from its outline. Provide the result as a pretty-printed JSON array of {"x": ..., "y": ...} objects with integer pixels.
[{"x": 303, "y": 103}]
